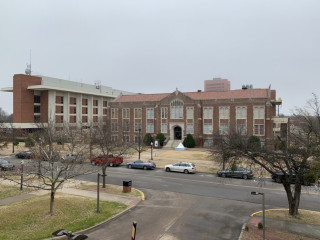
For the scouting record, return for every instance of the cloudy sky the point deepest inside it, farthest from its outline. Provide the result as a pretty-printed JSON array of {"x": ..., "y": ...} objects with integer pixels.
[{"x": 154, "y": 46}]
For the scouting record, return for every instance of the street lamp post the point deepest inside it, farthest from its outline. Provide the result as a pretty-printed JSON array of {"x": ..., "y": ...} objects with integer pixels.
[
  {"x": 151, "y": 150},
  {"x": 263, "y": 213},
  {"x": 21, "y": 174}
]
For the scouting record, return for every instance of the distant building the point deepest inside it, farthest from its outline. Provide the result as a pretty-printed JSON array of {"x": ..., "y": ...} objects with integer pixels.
[
  {"x": 217, "y": 85},
  {"x": 42, "y": 99}
]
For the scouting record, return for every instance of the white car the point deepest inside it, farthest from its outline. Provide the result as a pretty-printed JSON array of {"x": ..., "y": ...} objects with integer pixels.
[{"x": 185, "y": 167}]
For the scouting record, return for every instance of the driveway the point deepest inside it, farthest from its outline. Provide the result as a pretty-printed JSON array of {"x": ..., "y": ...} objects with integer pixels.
[{"x": 174, "y": 216}]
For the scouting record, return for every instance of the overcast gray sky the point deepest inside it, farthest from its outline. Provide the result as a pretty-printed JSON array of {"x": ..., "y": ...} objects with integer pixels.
[{"x": 153, "y": 46}]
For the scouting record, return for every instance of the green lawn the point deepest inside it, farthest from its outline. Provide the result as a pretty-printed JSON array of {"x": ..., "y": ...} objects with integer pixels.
[
  {"x": 30, "y": 219},
  {"x": 10, "y": 191}
]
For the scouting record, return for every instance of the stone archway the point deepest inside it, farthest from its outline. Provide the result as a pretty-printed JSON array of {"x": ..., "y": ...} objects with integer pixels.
[{"x": 177, "y": 133}]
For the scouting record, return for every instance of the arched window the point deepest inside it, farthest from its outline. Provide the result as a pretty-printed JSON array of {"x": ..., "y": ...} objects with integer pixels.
[{"x": 176, "y": 109}]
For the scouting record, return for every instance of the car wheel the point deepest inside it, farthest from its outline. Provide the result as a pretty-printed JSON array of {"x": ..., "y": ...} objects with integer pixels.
[
  {"x": 129, "y": 166},
  {"x": 223, "y": 175},
  {"x": 167, "y": 169},
  {"x": 186, "y": 171},
  {"x": 245, "y": 176},
  {"x": 145, "y": 168},
  {"x": 111, "y": 164}
]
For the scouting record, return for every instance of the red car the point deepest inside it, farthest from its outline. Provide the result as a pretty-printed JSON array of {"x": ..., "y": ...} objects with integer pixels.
[{"x": 107, "y": 159}]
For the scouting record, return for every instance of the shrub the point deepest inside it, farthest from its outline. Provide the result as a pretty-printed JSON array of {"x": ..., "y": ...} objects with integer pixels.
[
  {"x": 161, "y": 138},
  {"x": 246, "y": 228},
  {"x": 147, "y": 139},
  {"x": 189, "y": 141},
  {"x": 234, "y": 167},
  {"x": 254, "y": 143},
  {"x": 28, "y": 142},
  {"x": 260, "y": 225},
  {"x": 16, "y": 142}
]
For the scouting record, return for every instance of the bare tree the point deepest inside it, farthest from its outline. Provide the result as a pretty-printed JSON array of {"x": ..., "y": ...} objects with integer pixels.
[
  {"x": 110, "y": 143},
  {"x": 52, "y": 166},
  {"x": 292, "y": 160}
]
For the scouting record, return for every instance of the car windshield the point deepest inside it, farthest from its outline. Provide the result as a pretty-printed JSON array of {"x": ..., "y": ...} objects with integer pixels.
[{"x": 4, "y": 162}]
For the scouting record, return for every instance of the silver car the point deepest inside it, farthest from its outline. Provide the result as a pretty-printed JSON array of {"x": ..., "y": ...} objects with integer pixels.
[{"x": 185, "y": 167}]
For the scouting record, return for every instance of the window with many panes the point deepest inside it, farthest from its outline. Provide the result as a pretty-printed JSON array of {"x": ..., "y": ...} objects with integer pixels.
[
  {"x": 137, "y": 127},
  {"x": 126, "y": 126},
  {"x": 114, "y": 113},
  {"x": 164, "y": 128},
  {"x": 138, "y": 113},
  {"x": 224, "y": 112},
  {"x": 190, "y": 129},
  {"x": 176, "y": 109},
  {"x": 258, "y": 112},
  {"x": 164, "y": 113},
  {"x": 36, "y": 99},
  {"x": 114, "y": 127},
  {"x": 150, "y": 128},
  {"x": 224, "y": 128},
  {"x": 207, "y": 128},
  {"x": 190, "y": 113},
  {"x": 259, "y": 129},
  {"x": 207, "y": 113},
  {"x": 150, "y": 113},
  {"x": 241, "y": 112},
  {"x": 126, "y": 138},
  {"x": 126, "y": 113},
  {"x": 36, "y": 109},
  {"x": 242, "y": 128}
]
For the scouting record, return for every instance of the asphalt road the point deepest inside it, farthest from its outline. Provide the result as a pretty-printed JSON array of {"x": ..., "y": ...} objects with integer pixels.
[{"x": 192, "y": 206}]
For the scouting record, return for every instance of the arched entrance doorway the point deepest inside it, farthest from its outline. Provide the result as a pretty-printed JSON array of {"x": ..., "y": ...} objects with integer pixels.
[{"x": 177, "y": 133}]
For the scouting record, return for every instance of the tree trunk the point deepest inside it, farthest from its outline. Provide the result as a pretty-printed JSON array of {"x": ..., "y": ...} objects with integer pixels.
[
  {"x": 293, "y": 198},
  {"x": 52, "y": 201}
]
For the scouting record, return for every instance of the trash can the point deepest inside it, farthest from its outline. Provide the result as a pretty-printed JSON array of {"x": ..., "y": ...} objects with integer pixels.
[{"x": 127, "y": 186}]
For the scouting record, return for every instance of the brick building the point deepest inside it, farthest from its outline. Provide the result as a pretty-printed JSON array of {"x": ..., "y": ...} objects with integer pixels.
[
  {"x": 217, "y": 85},
  {"x": 43, "y": 99},
  {"x": 248, "y": 111}
]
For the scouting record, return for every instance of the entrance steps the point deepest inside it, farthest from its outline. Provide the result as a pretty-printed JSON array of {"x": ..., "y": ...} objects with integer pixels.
[{"x": 172, "y": 143}]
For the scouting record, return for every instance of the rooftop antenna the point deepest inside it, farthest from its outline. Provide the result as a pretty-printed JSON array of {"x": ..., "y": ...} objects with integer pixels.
[{"x": 28, "y": 69}]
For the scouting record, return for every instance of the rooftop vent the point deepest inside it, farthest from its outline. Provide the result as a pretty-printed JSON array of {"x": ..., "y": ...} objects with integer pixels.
[
  {"x": 247, "y": 86},
  {"x": 199, "y": 90}
]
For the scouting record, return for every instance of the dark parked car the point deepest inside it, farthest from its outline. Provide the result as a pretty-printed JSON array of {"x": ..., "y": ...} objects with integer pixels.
[
  {"x": 24, "y": 154},
  {"x": 141, "y": 164},
  {"x": 279, "y": 177},
  {"x": 6, "y": 165},
  {"x": 237, "y": 173}
]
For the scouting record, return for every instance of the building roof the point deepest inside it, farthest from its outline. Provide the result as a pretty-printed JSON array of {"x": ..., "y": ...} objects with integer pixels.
[{"x": 232, "y": 94}]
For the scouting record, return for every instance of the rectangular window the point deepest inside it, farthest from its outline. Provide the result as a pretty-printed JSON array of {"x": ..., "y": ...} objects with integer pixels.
[
  {"x": 138, "y": 113},
  {"x": 114, "y": 138},
  {"x": 190, "y": 113},
  {"x": 259, "y": 129},
  {"x": 84, "y": 119},
  {"x": 258, "y": 112},
  {"x": 137, "y": 126},
  {"x": 36, "y": 99},
  {"x": 207, "y": 128},
  {"x": 126, "y": 126},
  {"x": 59, "y": 99},
  {"x": 190, "y": 129},
  {"x": 126, "y": 113},
  {"x": 95, "y": 110},
  {"x": 150, "y": 113},
  {"x": 242, "y": 128},
  {"x": 224, "y": 128},
  {"x": 164, "y": 113},
  {"x": 105, "y": 103},
  {"x": 207, "y": 113},
  {"x": 126, "y": 138},
  {"x": 164, "y": 128},
  {"x": 95, "y": 103},
  {"x": 137, "y": 139},
  {"x": 114, "y": 113},
  {"x": 73, "y": 119},
  {"x": 241, "y": 112},
  {"x": 114, "y": 127},
  {"x": 150, "y": 128},
  {"x": 73, "y": 101},
  {"x": 36, "y": 109},
  {"x": 224, "y": 112},
  {"x": 84, "y": 101}
]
